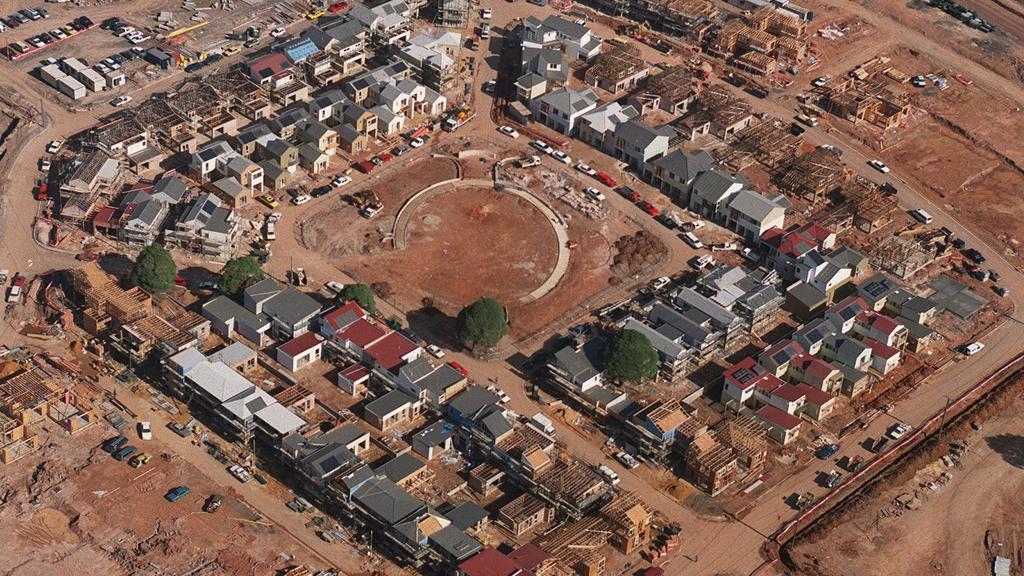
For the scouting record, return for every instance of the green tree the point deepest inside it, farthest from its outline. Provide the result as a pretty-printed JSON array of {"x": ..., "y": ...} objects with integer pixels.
[
  {"x": 362, "y": 294},
  {"x": 154, "y": 269},
  {"x": 482, "y": 323},
  {"x": 395, "y": 323},
  {"x": 630, "y": 357},
  {"x": 238, "y": 274}
]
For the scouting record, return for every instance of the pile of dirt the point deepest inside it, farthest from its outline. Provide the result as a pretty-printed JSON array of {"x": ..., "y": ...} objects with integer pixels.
[{"x": 637, "y": 252}]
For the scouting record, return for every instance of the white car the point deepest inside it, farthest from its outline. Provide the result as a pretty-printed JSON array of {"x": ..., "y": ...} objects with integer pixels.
[
  {"x": 44, "y": 165},
  {"x": 542, "y": 146},
  {"x": 240, "y": 473},
  {"x": 145, "y": 430},
  {"x": 508, "y": 131},
  {"x": 54, "y": 146},
  {"x": 609, "y": 474},
  {"x": 561, "y": 156},
  {"x": 821, "y": 81},
  {"x": 341, "y": 181},
  {"x": 660, "y": 283},
  {"x": 335, "y": 286},
  {"x": 879, "y": 165},
  {"x": 120, "y": 101},
  {"x": 973, "y": 348},
  {"x": 502, "y": 396},
  {"x": 594, "y": 193},
  {"x": 277, "y": 32},
  {"x": 899, "y": 431},
  {"x": 586, "y": 169},
  {"x": 694, "y": 225},
  {"x": 703, "y": 261},
  {"x": 274, "y": 217},
  {"x": 434, "y": 351},
  {"x": 486, "y": 14},
  {"x": 301, "y": 199},
  {"x": 416, "y": 142}
]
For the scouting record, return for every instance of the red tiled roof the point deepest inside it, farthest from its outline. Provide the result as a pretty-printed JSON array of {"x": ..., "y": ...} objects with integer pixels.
[
  {"x": 491, "y": 562},
  {"x": 355, "y": 372},
  {"x": 815, "y": 367},
  {"x": 788, "y": 392},
  {"x": 269, "y": 66},
  {"x": 389, "y": 350},
  {"x": 300, "y": 344},
  {"x": 884, "y": 324},
  {"x": 529, "y": 556},
  {"x": 105, "y": 217},
  {"x": 362, "y": 333},
  {"x": 816, "y": 231},
  {"x": 815, "y": 396},
  {"x": 881, "y": 348},
  {"x": 773, "y": 415},
  {"x": 332, "y": 317},
  {"x": 769, "y": 383},
  {"x": 743, "y": 374}
]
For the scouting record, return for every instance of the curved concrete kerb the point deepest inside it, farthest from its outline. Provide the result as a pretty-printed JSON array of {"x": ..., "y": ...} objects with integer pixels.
[{"x": 400, "y": 230}]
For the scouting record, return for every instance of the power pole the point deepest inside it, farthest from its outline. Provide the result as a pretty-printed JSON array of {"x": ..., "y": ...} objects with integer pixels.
[{"x": 942, "y": 422}]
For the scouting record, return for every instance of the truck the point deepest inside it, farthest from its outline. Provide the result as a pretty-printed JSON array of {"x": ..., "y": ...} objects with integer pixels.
[
  {"x": 13, "y": 293},
  {"x": 543, "y": 423}
]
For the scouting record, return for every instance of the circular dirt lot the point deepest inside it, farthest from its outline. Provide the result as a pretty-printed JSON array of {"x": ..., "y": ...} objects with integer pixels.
[{"x": 472, "y": 242}]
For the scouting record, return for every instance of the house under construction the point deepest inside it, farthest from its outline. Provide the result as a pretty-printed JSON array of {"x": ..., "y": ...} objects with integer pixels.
[
  {"x": 769, "y": 142},
  {"x": 690, "y": 19},
  {"x": 673, "y": 91},
  {"x": 748, "y": 439},
  {"x": 868, "y": 101},
  {"x": 617, "y": 69},
  {"x": 814, "y": 175},
  {"x": 106, "y": 302}
]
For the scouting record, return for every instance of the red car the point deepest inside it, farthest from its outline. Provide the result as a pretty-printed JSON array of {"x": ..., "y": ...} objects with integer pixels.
[
  {"x": 19, "y": 280},
  {"x": 337, "y": 7},
  {"x": 649, "y": 208},
  {"x": 458, "y": 368},
  {"x": 41, "y": 192},
  {"x": 365, "y": 166},
  {"x": 635, "y": 197},
  {"x": 386, "y": 157},
  {"x": 181, "y": 281},
  {"x": 605, "y": 179}
]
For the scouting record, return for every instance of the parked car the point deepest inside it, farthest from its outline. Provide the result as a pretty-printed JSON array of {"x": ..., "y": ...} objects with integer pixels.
[
  {"x": 508, "y": 131},
  {"x": 833, "y": 478},
  {"x": 269, "y": 201},
  {"x": 975, "y": 256},
  {"x": 435, "y": 351},
  {"x": 703, "y": 261},
  {"x": 827, "y": 451},
  {"x": 899, "y": 430},
  {"x": 301, "y": 199},
  {"x": 626, "y": 460},
  {"x": 114, "y": 444},
  {"x": 335, "y": 286},
  {"x": 341, "y": 181},
  {"x": 586, "y": 169},
  {"x": 417, "y": 142},
  {"x": 561, "y": 157},
  {"x": 337, "y": 7},
  {"x": 399, "y": 150},
  {"x": 44, "y": 165},
  {"x": 973, "y": 348},
  {"x": 609, "y": 474},
  {"x": 320, "y": 191},
  {"x": 605, "y": 179},
  {"x": 241, "y": 474},
  {"x": 145, "y": 430},
  {"x": 691, "y": 240},
  {"x": 542, "y": 146},
  {"x": 140, "y": 460},
  {"x": 485, "y": 13},
  {"x": 213, "y": 503},
  {"x": 125, "y": 452},
  {"x": 594, "y": 193},
  {"x": 54, "y": 146},
  {"x": 649, "y": 208},
  {"x": 177, "y": 493},
  {"x": 660, "y": 283},
  {"x": 879, "y": 165}
]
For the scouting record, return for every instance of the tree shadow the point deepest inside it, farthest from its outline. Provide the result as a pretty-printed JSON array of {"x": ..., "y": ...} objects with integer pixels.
[
  {"x": 433, "y": 325},
  {"x": 117, "y": 265},
  {"x": 1010, "y": 447}
]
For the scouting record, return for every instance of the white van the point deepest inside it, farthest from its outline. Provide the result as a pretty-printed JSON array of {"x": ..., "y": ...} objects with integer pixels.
[
  {"x": 692, "y": 240},
  {"x": 922, "y": 216},
  {"x": 973, "y": 348},
  {"x": 269, "y": 234},
  {"x": 610, "y": 474}
]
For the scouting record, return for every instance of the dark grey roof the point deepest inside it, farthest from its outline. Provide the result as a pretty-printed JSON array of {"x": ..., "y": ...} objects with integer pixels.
[
  {"x": 386, "y": 500},
  {"x": 356, "y": 478},
  {"x": 876, "y": 288},
  {"x": 148, "y": 213},
  {"x": 713, "y": 185},
  {"x": 845, "y": 256},
  {"x": 230, "y": 186},
  {"x": 441, "y": 379},
  {"x": 496, "y": 424},
  {"x": 388, "y": 403},
  {"x": 224, "y": 309},
  {"x": 472, "y": 399},
  {"x": 565, "y": 27},
  {"x": 666, "y": 347},
  {"x": 169, "y": 189},
  {"x": 328, "y": 460},
  {"x": 466, "y": 515},
  {"x": 291, "y": 306},
  {"x": 807, "y": 295},
  {"x": 455, "y": 543},
  {"x": 684, "y": 165},
  {"x": 220, "y": 221},
  {"x": 814, "y": 332},
  {"x": 688, "y": 298},
  {"x": 400, "y": 467},
  {"x": 436, "y": 434},
  {"x": 583, "y": 364},
  {"x": 641, "y": 135}
]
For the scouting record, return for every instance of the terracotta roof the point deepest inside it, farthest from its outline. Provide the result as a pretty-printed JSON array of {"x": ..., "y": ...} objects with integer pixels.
[
  {"x": 362, "y": 333},
  {"x": 529, "y": 556},
  {"x": 815, "y": 367},
  {"x": 815, "y": 396},
  {"x": 388, "y": 351},
  {"x": 300, "y": 344},
  {"x": 491, "y": 562},
  {"x": 788, "y": 392},
  {"x": 355, "y": 372},
  {"x": 769, "y": 383},
  {"x": 744, "y": 373},
  {"x": 883, "y": 323},
  {"x": 773, "y": 415},
  {"x": 881, "y": 349}
]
